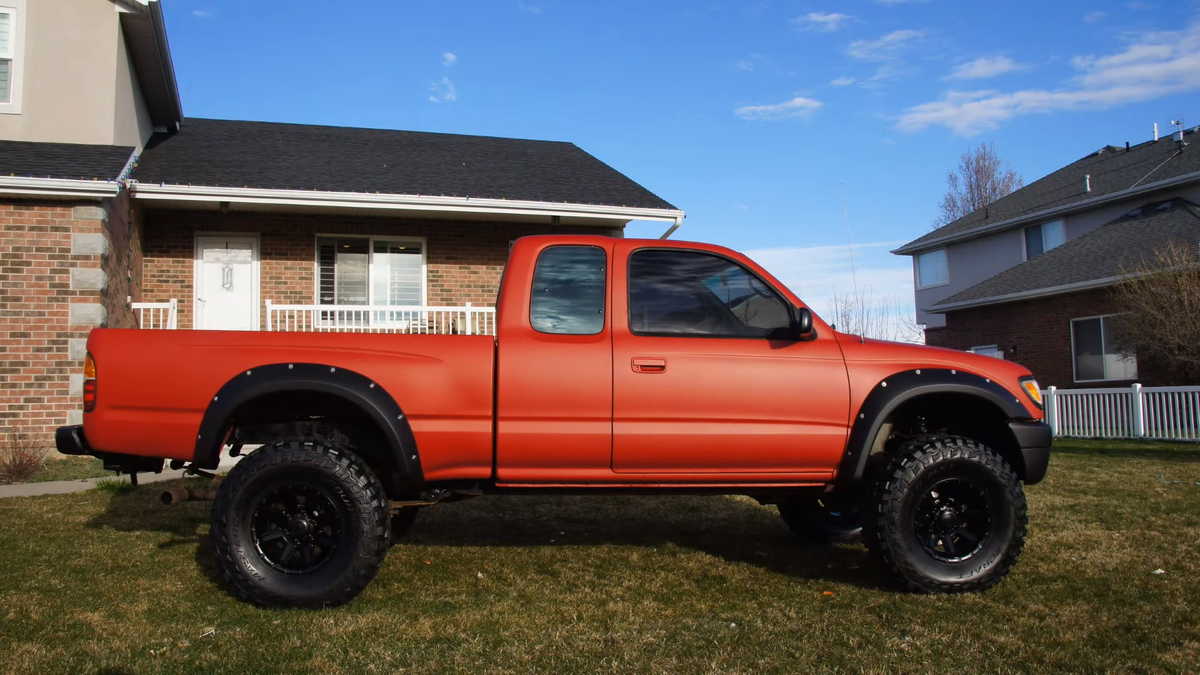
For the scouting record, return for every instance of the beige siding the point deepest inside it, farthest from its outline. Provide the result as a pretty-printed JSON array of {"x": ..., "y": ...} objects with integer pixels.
[{"x": 75, "y": 70}]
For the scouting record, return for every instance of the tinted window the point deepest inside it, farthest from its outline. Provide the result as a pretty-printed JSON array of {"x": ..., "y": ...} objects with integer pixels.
[
  {"x": 697, "y": 294},
  {"x": 568, "y": 291}
]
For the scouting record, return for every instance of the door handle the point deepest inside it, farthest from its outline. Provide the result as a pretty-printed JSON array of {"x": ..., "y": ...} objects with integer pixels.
[{"x": 644, "y": 365}]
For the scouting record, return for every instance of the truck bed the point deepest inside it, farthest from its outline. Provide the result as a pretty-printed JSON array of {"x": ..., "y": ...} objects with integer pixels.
[{"x": 444, "y": 384}]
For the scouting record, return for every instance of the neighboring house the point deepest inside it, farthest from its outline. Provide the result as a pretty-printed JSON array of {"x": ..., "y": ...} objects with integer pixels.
[
  {"x": 1027, "y": 278},
  {"x": 111, "y": 200}
]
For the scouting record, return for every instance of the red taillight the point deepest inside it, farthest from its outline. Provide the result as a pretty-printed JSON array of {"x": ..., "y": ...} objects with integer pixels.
[{"x": 89, "y": 384}]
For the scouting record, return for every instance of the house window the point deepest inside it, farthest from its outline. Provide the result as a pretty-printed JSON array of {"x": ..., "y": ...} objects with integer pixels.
[
  {"x": 1042, "y": 238},
  {"x": 10, "y": 55},
  {"x": 988, "y": 350},
  {"x": 932, "y": 269},
  {"x": 367, "y": 271},
  {"x": 1095, "y": 353}
]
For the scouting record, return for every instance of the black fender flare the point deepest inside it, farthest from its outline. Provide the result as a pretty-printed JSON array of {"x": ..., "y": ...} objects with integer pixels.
[
  {"x": 895, "y": 390},
  {"x": 351, "y": 386}
]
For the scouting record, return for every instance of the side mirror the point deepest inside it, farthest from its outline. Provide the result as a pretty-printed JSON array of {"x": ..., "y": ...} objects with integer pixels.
[{"x": 802, "y": 325}]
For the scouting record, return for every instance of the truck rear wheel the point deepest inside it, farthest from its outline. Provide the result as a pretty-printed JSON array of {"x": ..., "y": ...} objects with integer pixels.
[
  {"x": 947, "y": 515},
  {"x": 300, "y": 524}
]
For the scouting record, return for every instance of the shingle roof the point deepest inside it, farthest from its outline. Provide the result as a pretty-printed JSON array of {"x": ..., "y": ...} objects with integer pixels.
[
  {"x": 222, "y": 153},
  {"x": 1112, "y": 169},
  {"x": 25, "y": 159},
  {"x": 1102, "y": 254}
]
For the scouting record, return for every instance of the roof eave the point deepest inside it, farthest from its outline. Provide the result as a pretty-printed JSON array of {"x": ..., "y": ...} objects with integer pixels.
[
  {"x": 57, "y": 187},
  {"x": 361, "y": 200},
  {"x": 1024, "y": 295},
  {"x": 154, "y": 66},
  {"x": 913, "y": 248}
]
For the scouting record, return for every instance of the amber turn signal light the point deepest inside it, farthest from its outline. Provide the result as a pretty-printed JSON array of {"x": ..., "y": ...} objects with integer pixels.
[
  {"x": 89, "y": 384},
  {"x": 1032, "y": 391}
]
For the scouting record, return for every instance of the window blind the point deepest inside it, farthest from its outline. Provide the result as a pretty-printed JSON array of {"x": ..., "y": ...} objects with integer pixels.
[{"x": 5, "y": 55}]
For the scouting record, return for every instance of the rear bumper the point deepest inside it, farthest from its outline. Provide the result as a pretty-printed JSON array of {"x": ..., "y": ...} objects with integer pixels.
[
  {"x": 71, "y": 441},
  {"x": 1034, "y": 440}
]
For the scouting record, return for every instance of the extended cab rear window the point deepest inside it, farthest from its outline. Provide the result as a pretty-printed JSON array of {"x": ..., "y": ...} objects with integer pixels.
[{"x": 569, "y": 285}]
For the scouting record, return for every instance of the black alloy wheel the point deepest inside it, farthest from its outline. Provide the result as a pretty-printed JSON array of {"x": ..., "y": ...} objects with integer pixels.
[
  {"x": 300, "y": 524},
  {"x": 946, "y": 515}
]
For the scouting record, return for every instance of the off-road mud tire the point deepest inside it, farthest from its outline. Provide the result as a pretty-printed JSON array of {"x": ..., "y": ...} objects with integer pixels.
[
  {"x": 355, "y": 497},
  {"x": 904, "y": 488}
]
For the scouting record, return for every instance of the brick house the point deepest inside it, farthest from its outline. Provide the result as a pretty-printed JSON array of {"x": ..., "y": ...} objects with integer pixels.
[
  {"x": 1028, "y": 277},
  {"x": 149, "y": 219}
]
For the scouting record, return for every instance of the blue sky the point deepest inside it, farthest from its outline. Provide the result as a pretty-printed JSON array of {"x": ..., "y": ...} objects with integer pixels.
[{"x": 750, "y": 116}]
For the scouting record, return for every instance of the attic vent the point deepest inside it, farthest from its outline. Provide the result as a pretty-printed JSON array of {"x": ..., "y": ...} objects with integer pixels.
[
  {"x": 1165, "y": 206},
  {"x": 1134, "y": 213}
]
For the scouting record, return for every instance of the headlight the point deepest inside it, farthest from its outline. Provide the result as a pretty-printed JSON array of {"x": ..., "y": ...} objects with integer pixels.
[{"x": 1030, "y": 386}]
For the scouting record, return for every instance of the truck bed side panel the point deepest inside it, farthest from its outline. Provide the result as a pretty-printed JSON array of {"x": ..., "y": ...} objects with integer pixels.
[{"x": 154, "y": 386}]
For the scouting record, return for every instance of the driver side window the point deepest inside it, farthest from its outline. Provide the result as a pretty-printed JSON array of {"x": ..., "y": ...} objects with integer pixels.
[{"x": 693, "y": 294}]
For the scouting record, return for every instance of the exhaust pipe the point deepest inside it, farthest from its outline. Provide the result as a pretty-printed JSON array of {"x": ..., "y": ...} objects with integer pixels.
[{"x": 180, "y": 495}]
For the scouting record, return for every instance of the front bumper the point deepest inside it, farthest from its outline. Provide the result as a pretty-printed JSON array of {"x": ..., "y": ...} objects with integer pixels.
[
  {"x": 1034, "y": 440},
  {"x": 71, "y": 441}
]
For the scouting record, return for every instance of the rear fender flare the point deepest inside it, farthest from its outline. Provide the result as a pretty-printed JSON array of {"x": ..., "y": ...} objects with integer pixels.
[
  {"x": 353, "y": 387},
  {"x": 901, "y": 387}
]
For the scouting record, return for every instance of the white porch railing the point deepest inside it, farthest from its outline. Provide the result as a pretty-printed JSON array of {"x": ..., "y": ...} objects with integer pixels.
[
  {"x": 1160, "y": 413},
  {"x": 466, "y": 320},
  {"x": 157, "y": 314}
]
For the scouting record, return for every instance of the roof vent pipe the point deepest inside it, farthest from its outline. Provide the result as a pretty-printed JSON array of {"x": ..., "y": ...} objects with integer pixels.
[
  {"x": 1156, "y": 131},
  {"x": 1087, "y": 183},
  {"x": 1126, "y": 145}
]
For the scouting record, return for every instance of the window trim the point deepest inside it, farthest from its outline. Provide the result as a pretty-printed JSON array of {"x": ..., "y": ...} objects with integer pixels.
[
  {"x": 1024, "y": 240},
  {"x": 605, "y": 326},
  {"x": 370, "y": 262},
  {"x": 16, "y": 75},
  {"x": 792, "y": 309},
  {"x": 917, "y": 269},
  {"x": 1074, "y": 375}
]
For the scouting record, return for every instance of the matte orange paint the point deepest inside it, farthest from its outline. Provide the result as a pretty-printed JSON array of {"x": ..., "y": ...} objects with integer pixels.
[{"x": 532, "y": 409}]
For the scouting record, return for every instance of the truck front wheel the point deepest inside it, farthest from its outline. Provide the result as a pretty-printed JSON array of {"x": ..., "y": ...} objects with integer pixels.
[
  {"x": 947, "y": 515},
  {"x": 300, "y": 524}
]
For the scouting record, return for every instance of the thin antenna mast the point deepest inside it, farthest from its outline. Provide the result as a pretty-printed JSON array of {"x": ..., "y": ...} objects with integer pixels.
[{"x": 846, "y": 216}]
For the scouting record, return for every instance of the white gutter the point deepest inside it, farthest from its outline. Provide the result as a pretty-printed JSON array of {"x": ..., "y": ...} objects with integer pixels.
[
  {"x": 678, "y": 222},
  {"x": 362, "y": 200},
  {"x": 1024, "y": 295},
  {"x": 58, "y": 187},
  {"x": 910, "y": 249}
]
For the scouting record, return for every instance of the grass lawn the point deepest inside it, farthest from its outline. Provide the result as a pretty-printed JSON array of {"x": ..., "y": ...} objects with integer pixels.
[
  {"x": 114, "y": 582},
  {"x": 70, "y": 468}
]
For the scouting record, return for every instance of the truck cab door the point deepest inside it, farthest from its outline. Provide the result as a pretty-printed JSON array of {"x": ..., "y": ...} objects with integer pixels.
[
  {"x": 554, "y": 367},
  {"x": 709, "y": 379}
]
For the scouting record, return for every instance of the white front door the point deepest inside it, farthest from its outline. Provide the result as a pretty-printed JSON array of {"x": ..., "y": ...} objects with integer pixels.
[{"x": 226, "y": 283}]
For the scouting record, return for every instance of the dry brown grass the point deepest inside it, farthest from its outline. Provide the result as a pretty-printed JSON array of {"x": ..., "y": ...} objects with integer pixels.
[{"x": 97, "y": 581}]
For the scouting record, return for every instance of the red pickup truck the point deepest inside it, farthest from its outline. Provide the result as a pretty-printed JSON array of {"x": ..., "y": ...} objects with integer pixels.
[{"x": 618, "y": 366}]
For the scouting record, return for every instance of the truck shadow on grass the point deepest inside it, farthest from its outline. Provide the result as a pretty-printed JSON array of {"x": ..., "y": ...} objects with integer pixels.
[{"x": 732, "y": 528}]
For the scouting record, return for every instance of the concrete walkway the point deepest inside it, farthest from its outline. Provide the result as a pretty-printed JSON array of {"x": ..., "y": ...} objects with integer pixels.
[{"x": 62, "y": 487}]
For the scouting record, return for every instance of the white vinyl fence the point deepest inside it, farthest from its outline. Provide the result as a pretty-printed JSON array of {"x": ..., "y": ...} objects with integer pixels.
[
  {"x": 1160, "y": 413},
  {"x": 163, "y": 315},
  {"x": 466, "y": 320}
]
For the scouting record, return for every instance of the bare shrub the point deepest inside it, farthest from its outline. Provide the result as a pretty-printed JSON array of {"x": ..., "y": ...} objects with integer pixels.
[
  {"x": 883, "y": 318},
  {"x": 1160, "y": 303},
  {"x": 20, "y": 457}
]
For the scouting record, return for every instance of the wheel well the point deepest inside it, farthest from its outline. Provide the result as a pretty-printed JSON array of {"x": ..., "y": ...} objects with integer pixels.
[
  {"x": 952, "y": 414},
  {"x": 321, "y": 416}
]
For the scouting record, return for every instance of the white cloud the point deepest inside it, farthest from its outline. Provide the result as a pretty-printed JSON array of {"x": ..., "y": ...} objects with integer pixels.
[
  {"x": 796, "y": 107},
  {"x": 1093, "y": 17},
  {"x": 843, "y": 81},
  {"x": 528, "y": 8},
  {"x": 1153, "y": 66},
  {"x": 741, "y": 207},
  {"x": 449, "y": 59},
  {"x": 985, "y": 67},
  {"x": 202, "y": 13},
  {"x": 744, "y": 65},
  {"x": 815, "y": 273},
  {"x": 442, "y": 90},
  {"x": 885, "y": 48},
  {"x": 821, "y": 21}
]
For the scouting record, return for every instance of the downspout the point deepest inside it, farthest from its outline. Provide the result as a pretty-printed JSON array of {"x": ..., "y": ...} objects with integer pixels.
[{"x": 674, "y": 226}]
